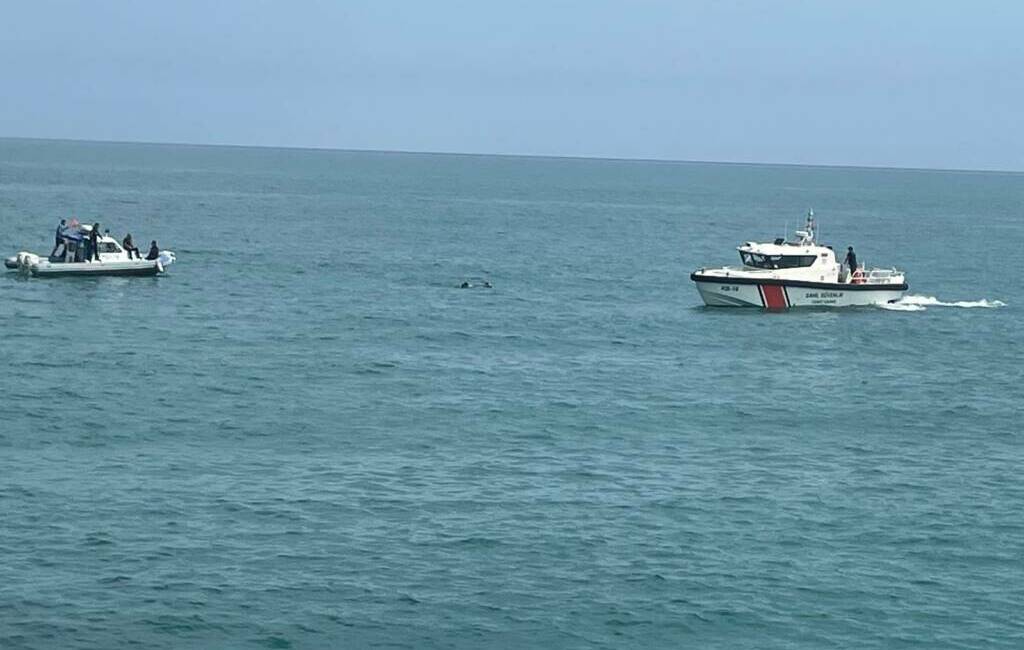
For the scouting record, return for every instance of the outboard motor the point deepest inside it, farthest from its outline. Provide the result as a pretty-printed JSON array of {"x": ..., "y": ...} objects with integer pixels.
[
  {"x": 165, "y": 259},
  {"x": 26, "y": 262}
]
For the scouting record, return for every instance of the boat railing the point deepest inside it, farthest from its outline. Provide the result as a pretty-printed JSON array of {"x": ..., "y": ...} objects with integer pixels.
[{"x": 880, "y": 276}]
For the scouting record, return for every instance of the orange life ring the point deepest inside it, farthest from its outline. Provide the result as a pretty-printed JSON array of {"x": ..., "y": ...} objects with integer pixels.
[{"x": 858, "y": 277}]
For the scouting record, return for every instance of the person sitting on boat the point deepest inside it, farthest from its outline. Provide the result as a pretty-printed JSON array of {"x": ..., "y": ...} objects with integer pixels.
[
  {"x": 62, "y": 229},
  {"x": 851, "y": 260},
  {"x": 129, "y": 246},
  {"x": 94, "y": 244},
  {"x": 154, "y": 251}
]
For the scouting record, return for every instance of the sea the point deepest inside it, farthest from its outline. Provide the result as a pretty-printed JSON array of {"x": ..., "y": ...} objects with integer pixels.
[{"x": 308, "y": 434}]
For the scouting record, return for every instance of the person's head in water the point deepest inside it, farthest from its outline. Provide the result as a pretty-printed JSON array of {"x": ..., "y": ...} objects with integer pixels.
[{"x": 464, "y": 285}]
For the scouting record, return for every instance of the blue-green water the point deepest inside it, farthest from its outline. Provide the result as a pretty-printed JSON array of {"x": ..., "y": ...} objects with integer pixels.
[{"x": 305, "y": 435}]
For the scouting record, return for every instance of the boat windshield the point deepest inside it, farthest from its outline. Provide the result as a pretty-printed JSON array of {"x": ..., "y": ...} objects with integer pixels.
[{"x": 759, "y": 261}]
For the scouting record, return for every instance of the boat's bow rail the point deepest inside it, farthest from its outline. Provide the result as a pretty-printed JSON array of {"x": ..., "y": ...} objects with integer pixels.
[{"x": 878, "y": 276}]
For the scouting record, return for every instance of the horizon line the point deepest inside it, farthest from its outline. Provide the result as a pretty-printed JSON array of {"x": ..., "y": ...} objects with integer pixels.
[{"x": 678, "y": 161}]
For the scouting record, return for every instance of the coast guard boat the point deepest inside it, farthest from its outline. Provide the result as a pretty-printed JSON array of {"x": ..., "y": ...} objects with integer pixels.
[
  {"x": 113, "y": 259},
  {"x": 800, "y": 273}
]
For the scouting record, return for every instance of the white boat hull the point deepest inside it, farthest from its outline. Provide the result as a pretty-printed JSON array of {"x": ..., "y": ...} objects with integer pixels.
[
  {"x": 781, "y": 294},
  {"x": 37, "y": 267}
]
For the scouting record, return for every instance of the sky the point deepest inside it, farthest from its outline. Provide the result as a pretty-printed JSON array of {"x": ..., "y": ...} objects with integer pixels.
[{"x": 897, "y": 83}]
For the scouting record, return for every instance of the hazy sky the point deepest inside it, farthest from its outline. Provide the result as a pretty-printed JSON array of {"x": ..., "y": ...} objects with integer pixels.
[{"x": 929, "y": 84}]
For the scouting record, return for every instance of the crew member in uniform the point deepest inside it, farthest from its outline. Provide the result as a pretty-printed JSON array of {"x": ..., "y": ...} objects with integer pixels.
[
  {"x": 94, "y": 244},
  {"x": 851, "y": 260}
]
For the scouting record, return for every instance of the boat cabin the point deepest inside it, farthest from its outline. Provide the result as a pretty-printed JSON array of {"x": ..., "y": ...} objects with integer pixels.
[
  {"x": 785, "y": 256},
  {"x": 801, "y": 260},
  {"x": 76, "y": 245}
]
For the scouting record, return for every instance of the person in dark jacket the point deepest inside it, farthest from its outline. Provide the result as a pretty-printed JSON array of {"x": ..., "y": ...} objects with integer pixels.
[
  {"x": 154, "y": 251},
  {"x": 129, "y": 247},
  {"x": 94, "y": 244},
  {"x": 851, "y": 260}
]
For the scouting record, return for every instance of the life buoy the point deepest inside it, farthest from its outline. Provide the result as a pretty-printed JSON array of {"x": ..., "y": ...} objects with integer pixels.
[{"x": 858, "y": 277}]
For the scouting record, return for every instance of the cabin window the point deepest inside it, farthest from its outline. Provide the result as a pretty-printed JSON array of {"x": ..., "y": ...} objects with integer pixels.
[
  {"x": 108, "y": 247},
  {"x": 776, "y": 261},
  {"x": 793, "y": 261}
]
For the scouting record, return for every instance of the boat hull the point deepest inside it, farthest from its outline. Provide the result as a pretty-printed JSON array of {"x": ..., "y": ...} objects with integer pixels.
[
  {"x": 85, "y": 269},
  {"x": 776, "y": 294},
  {"x": 38, "y": 267}
]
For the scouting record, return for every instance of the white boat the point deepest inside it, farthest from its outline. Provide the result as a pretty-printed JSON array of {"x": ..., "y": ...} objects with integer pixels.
[
  {"x": 800, "y": 273},
  {"x": 113, "y": 259}
]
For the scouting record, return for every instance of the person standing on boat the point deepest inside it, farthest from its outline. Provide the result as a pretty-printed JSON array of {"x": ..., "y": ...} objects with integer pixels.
[
  {"x": 851, "y": 260},
  {"x": 154, "y": 251},
  {"x": 129, "y": 246},
  {"x": 62, "y": 229},
  {"x": 94, "y": 243}
]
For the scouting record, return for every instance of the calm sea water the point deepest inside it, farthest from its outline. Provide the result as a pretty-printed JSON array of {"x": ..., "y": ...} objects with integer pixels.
[{"x": 306, "y": 435}]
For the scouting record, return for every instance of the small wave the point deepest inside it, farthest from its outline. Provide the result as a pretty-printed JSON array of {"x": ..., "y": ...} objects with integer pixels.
[
  {"x": 901, "y": 306},
  {"x": 920, "y": 303}
]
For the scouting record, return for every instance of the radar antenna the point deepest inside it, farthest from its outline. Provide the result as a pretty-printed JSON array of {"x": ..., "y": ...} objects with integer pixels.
[{"x": 807, "y": 234}]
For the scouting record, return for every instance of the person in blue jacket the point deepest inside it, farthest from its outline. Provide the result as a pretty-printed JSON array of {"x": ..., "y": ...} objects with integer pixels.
[{"x": 62, "y": 229}]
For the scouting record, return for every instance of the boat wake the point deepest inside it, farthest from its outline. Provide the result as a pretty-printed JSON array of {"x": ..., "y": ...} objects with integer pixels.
[{"x": 921, "y": 303}]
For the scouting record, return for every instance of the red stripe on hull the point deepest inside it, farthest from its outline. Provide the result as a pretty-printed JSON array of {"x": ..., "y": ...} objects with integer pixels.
[{"x": 774, "y": 298}]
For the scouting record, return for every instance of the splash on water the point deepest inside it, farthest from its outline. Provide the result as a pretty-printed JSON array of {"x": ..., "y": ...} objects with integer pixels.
[
  {"x": 902, "y": 306},
  {"x": 921, "y": 303}
]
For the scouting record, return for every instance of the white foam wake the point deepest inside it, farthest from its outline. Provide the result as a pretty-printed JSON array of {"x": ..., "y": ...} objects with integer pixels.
[
  {"x": 902, "y": 306},
  {"x": 920, "y": 303}
]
